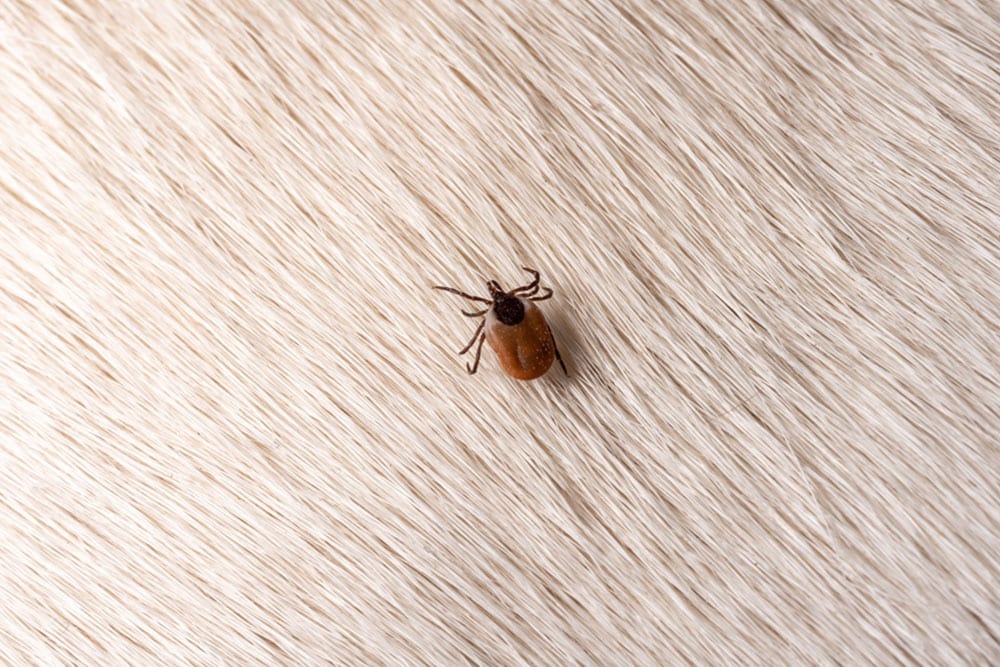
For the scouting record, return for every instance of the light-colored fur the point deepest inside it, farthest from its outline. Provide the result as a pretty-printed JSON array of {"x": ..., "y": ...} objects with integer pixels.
[{"x": 233, "y": 428}]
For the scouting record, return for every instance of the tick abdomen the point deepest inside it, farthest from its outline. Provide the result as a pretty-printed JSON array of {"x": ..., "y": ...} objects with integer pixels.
[{"x": 525, "y": 349}]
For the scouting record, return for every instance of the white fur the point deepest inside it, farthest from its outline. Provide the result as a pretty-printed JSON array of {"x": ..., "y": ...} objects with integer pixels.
[{"x": 232, "y": 425}]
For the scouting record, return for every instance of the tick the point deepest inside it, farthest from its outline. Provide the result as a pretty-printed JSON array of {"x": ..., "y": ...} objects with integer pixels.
[{"x": 515, "y": 329}]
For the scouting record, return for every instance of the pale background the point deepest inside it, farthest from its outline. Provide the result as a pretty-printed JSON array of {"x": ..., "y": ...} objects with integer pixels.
[{"x": 233, "y": 428}]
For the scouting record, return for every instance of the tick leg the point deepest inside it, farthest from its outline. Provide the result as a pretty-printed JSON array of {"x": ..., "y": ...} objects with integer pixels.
[
  {"x": 474, "y": 337},
  {"x": 479, "y": 351},
  {"x": 461, "y": 294},
  {"x": 546, "y": 294},
  {"x": 472, "y": 314},
  {"x": 555, "y": 349},
  {"x": 530, "y": 288}
]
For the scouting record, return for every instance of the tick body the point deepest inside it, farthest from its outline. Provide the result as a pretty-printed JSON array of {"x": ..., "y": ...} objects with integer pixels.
[{"x": 514, "y": 327}]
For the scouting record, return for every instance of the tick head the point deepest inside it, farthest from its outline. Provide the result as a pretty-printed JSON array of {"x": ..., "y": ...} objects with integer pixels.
[{"x": 509, "y": 309}]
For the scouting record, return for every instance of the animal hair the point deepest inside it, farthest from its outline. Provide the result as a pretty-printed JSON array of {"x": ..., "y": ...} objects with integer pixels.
[{"x": 233, "y": 428}]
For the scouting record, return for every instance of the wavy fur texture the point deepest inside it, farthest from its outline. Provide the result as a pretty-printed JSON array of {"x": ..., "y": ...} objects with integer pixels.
[{"x": 233, "y": 428}]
